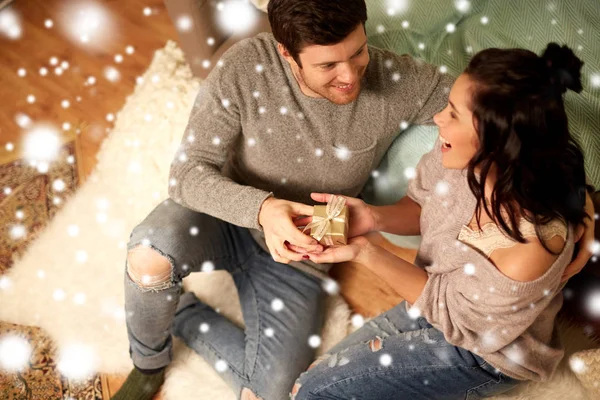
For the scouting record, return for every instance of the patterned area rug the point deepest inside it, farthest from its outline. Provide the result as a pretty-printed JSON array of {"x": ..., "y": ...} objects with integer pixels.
[
  {"x": 28, "y": 200},
  {"x": 41, "y": 380}
]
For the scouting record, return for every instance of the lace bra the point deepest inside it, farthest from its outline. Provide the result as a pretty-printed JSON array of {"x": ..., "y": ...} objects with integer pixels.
[{"x": 491, "y": 237}]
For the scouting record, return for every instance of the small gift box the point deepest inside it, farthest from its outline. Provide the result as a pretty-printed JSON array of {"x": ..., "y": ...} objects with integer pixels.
[{"x": 329, "y": 223}]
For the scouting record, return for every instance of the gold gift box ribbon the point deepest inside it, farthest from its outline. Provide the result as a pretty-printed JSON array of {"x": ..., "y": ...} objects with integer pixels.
[{"x": 329, "y": 223}]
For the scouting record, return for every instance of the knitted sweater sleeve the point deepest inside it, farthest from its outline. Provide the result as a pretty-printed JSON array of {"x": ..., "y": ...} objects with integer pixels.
[{"x": 214, "y": 128}]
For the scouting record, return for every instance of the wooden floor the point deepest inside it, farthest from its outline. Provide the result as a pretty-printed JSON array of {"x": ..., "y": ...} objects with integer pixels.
[
  {"x": 120, "y": 24},
  {"x": 89, "y": 104}
]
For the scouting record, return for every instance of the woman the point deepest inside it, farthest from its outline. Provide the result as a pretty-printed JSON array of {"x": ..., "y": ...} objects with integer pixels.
[{"x": 496, "y": 202}]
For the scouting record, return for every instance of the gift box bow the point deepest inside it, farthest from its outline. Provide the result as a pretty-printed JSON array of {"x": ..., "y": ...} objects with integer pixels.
[{"x": 321, "y": 225}]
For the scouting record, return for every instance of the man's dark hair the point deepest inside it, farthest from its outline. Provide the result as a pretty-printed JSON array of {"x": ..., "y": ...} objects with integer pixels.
[{"x": 299, "y": 23}]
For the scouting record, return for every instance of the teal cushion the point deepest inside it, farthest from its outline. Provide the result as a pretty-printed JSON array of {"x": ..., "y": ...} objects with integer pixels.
[
  {"x": 528, "y": 24},
  {"x": 389, "y": 182}
]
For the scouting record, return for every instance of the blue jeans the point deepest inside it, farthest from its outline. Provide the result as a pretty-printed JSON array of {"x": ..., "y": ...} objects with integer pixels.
[
  {"x": 265, "y": 357},
  {"x": 396, "y": 357}
]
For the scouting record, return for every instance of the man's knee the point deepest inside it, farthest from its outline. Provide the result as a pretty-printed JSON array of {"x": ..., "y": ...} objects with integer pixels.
[{"x": 148, "y": 268}]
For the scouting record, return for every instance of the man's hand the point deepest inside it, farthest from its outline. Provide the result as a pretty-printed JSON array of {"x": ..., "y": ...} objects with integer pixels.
[
  {"x": 584, "y": 236},
  {"x": 284, "y": 240},
  {"x": 362, "y": 217}
]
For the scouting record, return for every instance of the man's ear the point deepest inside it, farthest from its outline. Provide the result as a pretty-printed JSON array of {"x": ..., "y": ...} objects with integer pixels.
[{"x": 285, "y": 54}]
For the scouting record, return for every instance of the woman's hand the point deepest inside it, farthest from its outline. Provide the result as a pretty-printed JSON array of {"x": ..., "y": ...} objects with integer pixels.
[
  {"x": 584, "y": 236},
  {"x": 358, "y": 249},
  {"x": 361, "y": 215}
]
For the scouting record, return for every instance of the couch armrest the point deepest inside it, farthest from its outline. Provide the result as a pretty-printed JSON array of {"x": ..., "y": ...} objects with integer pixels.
[{"x": 204, "y": 14}]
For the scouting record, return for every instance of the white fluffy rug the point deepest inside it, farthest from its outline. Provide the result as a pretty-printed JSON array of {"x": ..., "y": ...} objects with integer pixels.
[{"x": 70, "y": 281}]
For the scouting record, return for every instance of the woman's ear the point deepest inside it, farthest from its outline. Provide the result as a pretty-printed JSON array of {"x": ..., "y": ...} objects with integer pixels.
[
  {"x": 475, "y": 123},
  {"x": 476, "y": 140}
]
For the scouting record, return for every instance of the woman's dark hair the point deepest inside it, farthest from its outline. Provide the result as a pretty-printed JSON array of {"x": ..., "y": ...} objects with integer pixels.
[
  {"x": 296, "y": 24},
  {"x": 523, "y": 131}
]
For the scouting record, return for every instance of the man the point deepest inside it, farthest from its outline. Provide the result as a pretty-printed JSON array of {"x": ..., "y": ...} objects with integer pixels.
[{"x": 309, "y": 108}]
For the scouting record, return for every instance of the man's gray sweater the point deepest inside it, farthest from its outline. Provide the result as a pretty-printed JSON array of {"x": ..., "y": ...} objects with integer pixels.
[{"x": 252, "y": 133}]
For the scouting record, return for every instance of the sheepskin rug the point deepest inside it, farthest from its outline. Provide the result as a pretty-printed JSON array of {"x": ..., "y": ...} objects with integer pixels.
[{"x": 70, "y": 281}]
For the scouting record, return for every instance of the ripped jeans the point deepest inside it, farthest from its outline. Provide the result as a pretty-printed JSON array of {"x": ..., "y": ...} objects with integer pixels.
[
  {"x": 396, "y": 357},
  {"x": 281, "y": 306}
]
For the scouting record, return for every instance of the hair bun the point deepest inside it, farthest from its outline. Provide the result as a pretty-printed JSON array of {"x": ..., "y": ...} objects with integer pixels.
[{"x": 565, "y": 67}]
